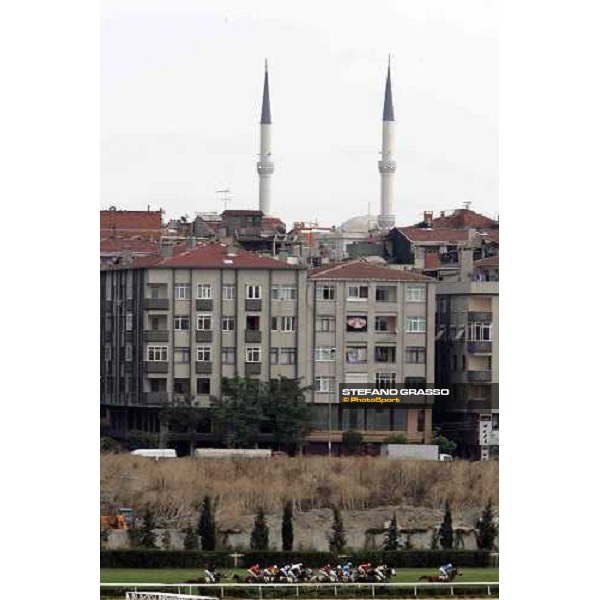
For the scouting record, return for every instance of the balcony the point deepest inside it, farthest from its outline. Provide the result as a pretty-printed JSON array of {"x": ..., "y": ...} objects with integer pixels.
[
  {"x": 156, "y": 398},
  {"x": 253, "y": 335},
  {"x": 479, "y": 376},
  {"x": 479, "y": 347},
  {"x": 156, "y": 303},
  {"x": 253, "y": 305},
  {"x": 203, "y": 368},
  {"x": 156, "y": 335},
  {"x": 204, "y": 305},
  {"x": 478, "y": 316},
  {"x": 204, "y": 335},
  {"x": 156, "y": 366},
  {"x": 252, "y": 369}
]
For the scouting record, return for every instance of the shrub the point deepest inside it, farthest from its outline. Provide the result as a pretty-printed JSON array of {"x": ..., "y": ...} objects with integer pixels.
[
  {"x": 396, "y": 438},
  {"x": 486, "y": 530},
  {"x": 352, "y": 440},
  {"x": 259, "y": 538}
]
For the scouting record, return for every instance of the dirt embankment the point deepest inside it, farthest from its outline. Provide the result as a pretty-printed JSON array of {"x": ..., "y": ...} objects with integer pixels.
[{"x": 366, "y": 489}]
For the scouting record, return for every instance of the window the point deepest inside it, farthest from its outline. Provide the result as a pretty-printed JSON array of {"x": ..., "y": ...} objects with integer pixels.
[
  {"x": 158, "y": 385},
  {"x": 464, "y": 363},
  {"x": 182, "y": 323},
  {"x": 358, "y": 292},
  {"x": 385, "y": 324},
  {"x": 288, "y": 356},
  {"x": 129, "y": 321},
  {"x": 204, "y": 323},
  {"x": 356, "y": 323},
  {"x": 323, "y": 354},
  {"x": 107, "y": 352},
  {"x": 325, "y": 324},
  {"x": 480, "y": 332},
  {"x": 454, "y": 362},
  {"x": 414, "y": 382},
  {"x": 385, "y": 293},
  {"x": 252, "y": 323},
  {"x": 274, "y": 356},
  {"x": 229, "y": 292},
  {"x": 385, "y": 354},
  {"x": 253, "y": 292},
  {"x": 415, "y": 354},
  {"x": 158, "y": 353},
  {"x": 283, "y": 292},
  {"x": 128, "y": 352},
  {"x": 385, "y": 380},
  {"x": 421, "y": 421},
  {"x": 416, "y": 293},
  {"x": 228, "y": 356},
  {"x": 203, "y": 354},
  {"x": 325, "y": 292},
  {"x": 324, "y": 385},
  {"x": 415, "y": 325},
  {"x": 356, "y": 354},
  {"x": 182, "y": 291},
  {"x": 228, "y": 323},
  {"x": 154, "y": 323},
  {"x": 253, "y": 354},
  {"x": 181, "y": 355},
  {"x": 288, "y": 324},
  {"x": 204, "y": 291},
  {"x": 203, "y": 385},
  {"x": 273, "y": 323}
]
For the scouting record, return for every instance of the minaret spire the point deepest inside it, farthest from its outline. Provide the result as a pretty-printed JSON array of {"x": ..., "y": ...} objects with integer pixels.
[
  {"x": 265, "y": 166},
  {"x": 387, "y": 164},
  {"x": 265, "y": 116}
]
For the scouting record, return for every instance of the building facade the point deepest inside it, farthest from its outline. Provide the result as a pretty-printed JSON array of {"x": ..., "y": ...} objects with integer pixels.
[
  {"x": 173, "y": 328},
  {"x": 370, "y": 324},
  {"x": 468, "y": 359}
]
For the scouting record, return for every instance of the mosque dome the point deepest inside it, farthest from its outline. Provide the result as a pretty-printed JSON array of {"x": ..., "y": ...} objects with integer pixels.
[{"x": 360, "y": 224}]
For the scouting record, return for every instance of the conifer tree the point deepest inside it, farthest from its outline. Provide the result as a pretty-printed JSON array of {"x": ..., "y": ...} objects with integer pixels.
[
  {"x": 391, "y": 542},
  {"x": 207, "y": 527},
  {"x": 259, "y": 539},
  {"x": 446, "y": 531},
  {"x": 287, "y": 528}
]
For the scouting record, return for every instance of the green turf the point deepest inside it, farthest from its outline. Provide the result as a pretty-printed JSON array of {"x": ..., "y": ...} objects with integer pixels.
[{"x": 180, "y": 575}]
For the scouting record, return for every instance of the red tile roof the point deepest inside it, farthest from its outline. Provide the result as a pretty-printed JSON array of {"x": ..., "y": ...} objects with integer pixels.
[
  {"x": 445, "y": 235},
  {"x": 210, "y": 256},
  {"x": 130, "y": 221},
  {"x": 490, "y": 261},
  {"x": 363, "y": 270},
  {"x": 463, "y": 218}
]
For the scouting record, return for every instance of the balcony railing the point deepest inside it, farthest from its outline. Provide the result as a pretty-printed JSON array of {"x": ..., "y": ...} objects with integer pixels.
[
  {"x": 203, "y": 367},
  {"x": 156, "y": 335},
  {"x": 204, "y": 305},
  {"x": 156, "y": 303},
  {"x": 479, "y": 316},
  {"x": 252, "y": 335},
  {"x": 156, "y": 366},
  {"x": 479, "y": 376},
  {"x": 204, "y": 335},
  {"x": 155, "y": 398},
  {"x": 253, "y": 305},
  {"x": 479, "y": 347},
  {"x": 252, "y": 369}
]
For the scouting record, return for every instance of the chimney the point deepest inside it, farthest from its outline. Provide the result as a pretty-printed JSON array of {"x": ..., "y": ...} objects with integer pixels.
[
  {"x": 191, "y": 242},
  {"x": 428, "y": 218},
  {"x": 165, "y": 250},
  {"x": 126, "y": 257},
  {"x": 442, "y": 213}
]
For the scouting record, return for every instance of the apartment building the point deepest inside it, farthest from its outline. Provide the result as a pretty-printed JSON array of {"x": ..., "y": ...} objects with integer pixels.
[
  {"x": 369, "y": 323},
  {"x": 173, "y": 327},
  {"x": 467, "y": 357}
]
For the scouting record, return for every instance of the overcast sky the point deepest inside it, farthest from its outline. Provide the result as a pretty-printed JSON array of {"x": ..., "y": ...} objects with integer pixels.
[{"x": 182, "y": 80}]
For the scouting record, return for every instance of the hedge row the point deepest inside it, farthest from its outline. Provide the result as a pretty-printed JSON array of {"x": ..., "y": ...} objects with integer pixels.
[{"x": 185, "y": 559}]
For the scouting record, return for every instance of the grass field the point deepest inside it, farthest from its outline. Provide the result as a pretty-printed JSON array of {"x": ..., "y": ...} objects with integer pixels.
[{"x": 180, "y": 575}]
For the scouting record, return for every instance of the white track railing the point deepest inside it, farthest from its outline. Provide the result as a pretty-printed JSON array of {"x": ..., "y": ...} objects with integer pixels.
[{"x": 181, "y": 588}]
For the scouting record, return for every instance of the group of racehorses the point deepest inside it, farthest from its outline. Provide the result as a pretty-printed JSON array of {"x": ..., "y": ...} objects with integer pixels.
[{"x": 299, "y": 573}]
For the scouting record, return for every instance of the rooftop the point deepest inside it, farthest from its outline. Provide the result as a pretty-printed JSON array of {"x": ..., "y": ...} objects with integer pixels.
[
  {"x": 445, "y": 234},
  {"x": 490, "y": 261},
  {"x": 360, "y": 269},
  {"x": 130, "y": 220},
  {"x": 211, "y": 256}
]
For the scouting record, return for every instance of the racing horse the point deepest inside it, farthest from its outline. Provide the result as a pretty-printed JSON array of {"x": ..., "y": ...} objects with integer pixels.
[{"x": 439, "y": 579}]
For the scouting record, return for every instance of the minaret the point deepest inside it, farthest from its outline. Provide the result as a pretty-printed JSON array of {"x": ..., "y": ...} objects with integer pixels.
[
  {"x": 265, "y": 166},
  {"x": 387, "y": 164}
]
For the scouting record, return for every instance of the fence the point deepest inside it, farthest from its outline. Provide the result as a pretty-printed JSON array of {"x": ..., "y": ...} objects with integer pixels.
[{"x": 331, "y": 589}]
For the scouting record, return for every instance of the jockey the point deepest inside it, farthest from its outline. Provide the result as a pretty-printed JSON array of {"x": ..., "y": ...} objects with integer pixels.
[
  {"x": 364, "y": 568},
  {"x": 380, "y": 572},
  {"x": 271, "y": 571},
  {"x": 445, "y": 571},
  {"x": 255, "y": 571},
  {"x": 286, "y": 571},
  {"x": 296, "y": 569}
]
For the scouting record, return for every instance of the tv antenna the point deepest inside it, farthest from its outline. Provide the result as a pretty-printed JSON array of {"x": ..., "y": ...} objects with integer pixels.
[{"x": 225, "y": 196}]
